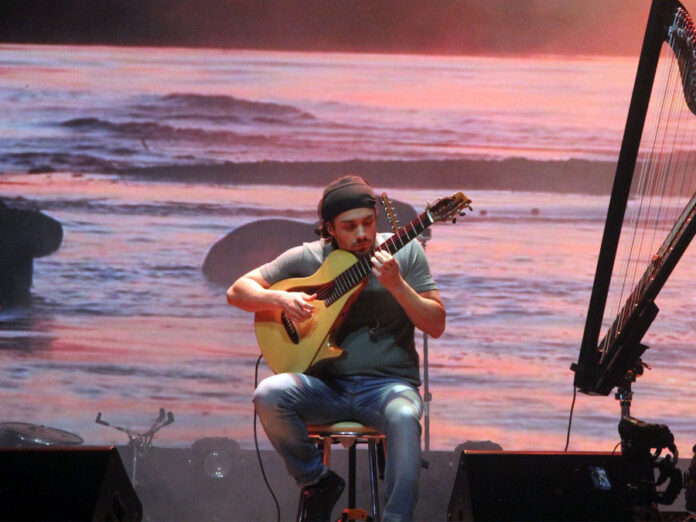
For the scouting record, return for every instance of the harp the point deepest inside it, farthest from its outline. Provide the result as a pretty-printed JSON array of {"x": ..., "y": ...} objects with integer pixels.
[{"x": 650, "y": 218}]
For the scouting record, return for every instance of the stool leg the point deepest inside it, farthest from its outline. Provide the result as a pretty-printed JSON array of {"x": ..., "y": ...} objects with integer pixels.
[
  {"x": 372, "y": 454},
  {"x": 381, "y": 457},
  {"x": 300, "y": 509},
  {"x": 326, "y": 451},
  {"x": 351, "y": 476}
]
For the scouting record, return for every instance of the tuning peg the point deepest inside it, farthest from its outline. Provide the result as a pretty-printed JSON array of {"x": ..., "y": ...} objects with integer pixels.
[{"x": 390, "y": 212}]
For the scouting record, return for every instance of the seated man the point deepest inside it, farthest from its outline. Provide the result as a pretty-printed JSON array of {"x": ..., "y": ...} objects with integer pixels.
[
  {"x": 376, "y": 380},
  {"x": 24, "y": 235}
]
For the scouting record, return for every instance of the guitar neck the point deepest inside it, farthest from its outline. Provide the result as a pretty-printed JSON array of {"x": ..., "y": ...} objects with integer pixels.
[{"x": 360, "y": 270}]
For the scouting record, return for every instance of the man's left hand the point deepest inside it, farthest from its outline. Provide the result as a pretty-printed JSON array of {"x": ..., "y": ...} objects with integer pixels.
[{"x": 386, "y": 269}]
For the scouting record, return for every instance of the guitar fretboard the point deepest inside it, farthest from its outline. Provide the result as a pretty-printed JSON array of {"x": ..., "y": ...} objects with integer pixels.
[{"x": 353, "y": 275}]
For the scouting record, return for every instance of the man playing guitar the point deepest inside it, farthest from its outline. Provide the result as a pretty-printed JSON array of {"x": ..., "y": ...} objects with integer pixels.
[{"x": 375, "y": 380}]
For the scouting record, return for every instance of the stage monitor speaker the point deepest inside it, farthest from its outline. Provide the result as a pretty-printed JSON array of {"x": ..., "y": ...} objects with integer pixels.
[
  {"x": 524, "y": 486},
  {"x": 79, "y": 483}
]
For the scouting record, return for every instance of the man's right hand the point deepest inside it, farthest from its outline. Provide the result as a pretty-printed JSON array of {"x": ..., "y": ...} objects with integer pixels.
[{"x": 296, "y": 305}]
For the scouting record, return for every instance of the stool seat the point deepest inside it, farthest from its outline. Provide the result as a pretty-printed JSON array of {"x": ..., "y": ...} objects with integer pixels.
[
  {"x": 349, "y": 433},
  {"x": 347, "y": 428}
]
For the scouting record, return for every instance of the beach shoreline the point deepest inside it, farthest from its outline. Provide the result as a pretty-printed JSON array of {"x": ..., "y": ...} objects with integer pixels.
[{"x": 513, "y": 174}]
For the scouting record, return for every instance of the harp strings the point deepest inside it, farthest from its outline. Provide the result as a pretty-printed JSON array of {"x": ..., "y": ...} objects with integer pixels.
[{"x": 664, "y": 182}]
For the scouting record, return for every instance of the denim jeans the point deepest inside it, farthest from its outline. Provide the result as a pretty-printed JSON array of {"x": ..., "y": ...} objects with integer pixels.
[{"x": 286, "y": 402}]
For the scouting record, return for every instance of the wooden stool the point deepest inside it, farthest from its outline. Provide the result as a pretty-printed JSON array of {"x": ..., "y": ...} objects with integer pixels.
[{"x": 349, "y": 433}]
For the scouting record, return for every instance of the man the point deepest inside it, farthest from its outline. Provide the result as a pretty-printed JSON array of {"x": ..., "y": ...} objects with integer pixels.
[{"x": 376, "y": 381}]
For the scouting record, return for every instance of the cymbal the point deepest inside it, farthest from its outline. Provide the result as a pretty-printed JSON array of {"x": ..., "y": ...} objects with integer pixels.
[{"x": 39, "y": 435}]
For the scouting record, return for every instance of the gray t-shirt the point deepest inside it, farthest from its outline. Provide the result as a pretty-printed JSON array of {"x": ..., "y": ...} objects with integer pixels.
[{"x": 377, "y": 335}]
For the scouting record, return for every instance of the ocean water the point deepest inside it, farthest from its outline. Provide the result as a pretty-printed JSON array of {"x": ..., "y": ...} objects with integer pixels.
[
  {"x": 100, "y": 108},
  {"x": 125, "y": 323}
]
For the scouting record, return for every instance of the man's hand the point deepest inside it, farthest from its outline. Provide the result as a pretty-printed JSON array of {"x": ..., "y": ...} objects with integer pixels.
[
  {"x": 424, "y": 309},
  {"x": 386, "y": 269},
  {"x": 296, "y": 305}
]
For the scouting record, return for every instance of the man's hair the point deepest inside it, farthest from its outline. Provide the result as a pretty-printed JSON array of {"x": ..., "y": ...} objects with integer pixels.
[{"x": 345, "y": 193}]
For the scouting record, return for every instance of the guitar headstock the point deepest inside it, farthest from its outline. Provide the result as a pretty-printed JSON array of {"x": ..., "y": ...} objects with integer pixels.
[
  {"x": 449, "y": 208},
  {"x": 386, "y": 203}
]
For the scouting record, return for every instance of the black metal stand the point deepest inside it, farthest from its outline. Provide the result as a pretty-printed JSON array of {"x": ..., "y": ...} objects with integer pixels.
[
  {"x": 140, "y": 442},
  {"x": 637, "y": 460},
  {"x": 637, "y": 440},
  {"x": 423, "y": 238},
  {"x": 624, "y": 393}
]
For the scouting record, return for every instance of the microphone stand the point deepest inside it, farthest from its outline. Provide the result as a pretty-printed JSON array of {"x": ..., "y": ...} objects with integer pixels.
[{"x": 423, "y": 238}]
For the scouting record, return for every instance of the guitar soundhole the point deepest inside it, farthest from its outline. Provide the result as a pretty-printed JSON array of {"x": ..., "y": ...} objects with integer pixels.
[{"x": 290, "y": 328}]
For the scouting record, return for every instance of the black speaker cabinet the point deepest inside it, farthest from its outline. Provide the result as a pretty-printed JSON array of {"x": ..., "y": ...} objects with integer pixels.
[
  {"x": 80, "y": 483},
  {"x": 524, "y": 486}
]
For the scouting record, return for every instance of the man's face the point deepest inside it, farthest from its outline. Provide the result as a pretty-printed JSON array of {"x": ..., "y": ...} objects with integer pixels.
[{"x": 355, "y": 230}]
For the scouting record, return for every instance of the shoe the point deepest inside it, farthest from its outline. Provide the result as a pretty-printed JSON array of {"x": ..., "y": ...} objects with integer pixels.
[{"x": 320, "y": 498}]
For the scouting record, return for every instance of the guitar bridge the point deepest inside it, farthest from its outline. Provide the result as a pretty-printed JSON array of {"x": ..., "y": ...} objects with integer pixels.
[{"x": 290, "y": 328}]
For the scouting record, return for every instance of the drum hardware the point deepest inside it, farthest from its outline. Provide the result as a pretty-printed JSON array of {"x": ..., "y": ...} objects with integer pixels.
[
  {"x": 140, "y": 442},
  {"x": 25, "y": 435}
]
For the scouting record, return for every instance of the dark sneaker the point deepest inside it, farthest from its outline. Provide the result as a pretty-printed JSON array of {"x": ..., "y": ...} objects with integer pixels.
[{"x": 320, "y": 498}]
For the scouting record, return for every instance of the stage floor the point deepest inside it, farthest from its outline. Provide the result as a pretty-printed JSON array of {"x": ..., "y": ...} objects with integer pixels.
[{"x": 172, "y": 484}]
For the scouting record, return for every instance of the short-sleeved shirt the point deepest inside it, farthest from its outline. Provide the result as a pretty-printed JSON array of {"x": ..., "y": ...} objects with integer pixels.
[{"x": 377, "y": 335}]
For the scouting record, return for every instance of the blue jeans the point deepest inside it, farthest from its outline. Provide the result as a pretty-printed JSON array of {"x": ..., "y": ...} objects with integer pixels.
[{"x": 286, "y": 402}]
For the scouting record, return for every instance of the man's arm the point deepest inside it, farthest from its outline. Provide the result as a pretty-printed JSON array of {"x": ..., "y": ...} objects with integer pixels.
[
  {"x": 425, "y": 309},
  {"x": 252, "y": 293}
]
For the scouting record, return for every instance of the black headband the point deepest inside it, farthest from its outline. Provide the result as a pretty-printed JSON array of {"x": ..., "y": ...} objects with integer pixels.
[{"x": 345, "y": 194}]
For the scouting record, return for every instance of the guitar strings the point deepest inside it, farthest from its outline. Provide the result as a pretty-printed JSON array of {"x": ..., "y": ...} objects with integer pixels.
[{"x": 352, "y": 276}]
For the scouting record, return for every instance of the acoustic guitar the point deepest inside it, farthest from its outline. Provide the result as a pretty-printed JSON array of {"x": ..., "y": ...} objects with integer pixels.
[{"x": 289, "y": 346}]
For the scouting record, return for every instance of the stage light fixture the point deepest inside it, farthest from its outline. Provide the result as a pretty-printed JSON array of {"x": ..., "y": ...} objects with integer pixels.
[
  {"x": 217, "y": 463},
  {"x": 215, "y": 456}
]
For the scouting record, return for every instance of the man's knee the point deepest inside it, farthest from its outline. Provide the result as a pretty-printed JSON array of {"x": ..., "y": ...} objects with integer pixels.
[
  {"x": 404, "y": 412},
  {"x": 273, "y": 390}
]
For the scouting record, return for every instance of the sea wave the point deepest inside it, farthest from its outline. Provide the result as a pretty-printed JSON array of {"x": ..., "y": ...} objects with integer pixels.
[
  {"x": 96, "y": 206},
  {"x": 38, "y": 161},
  {"x": 84, "y": 133},
  {"x": 218, "y": 108},
  {"x": 152, "y": 130},
  {"x": 514, "y": 174}
]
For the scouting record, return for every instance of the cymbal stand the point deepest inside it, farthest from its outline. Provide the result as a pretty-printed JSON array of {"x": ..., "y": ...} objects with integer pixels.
[{"x": 140, "y": 442}]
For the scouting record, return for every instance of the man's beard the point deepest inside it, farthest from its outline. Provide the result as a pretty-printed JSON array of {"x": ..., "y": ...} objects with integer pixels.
[{"x": 362, "y": 249}]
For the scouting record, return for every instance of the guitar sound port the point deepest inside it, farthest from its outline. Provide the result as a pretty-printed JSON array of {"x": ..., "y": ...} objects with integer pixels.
[{"x": 290, "y": 328}]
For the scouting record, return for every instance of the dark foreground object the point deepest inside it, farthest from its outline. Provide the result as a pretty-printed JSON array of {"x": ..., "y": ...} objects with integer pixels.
[
  {"x": 518, "y": 486},
  {"x": 82, "y": 483},
  {"x": 24, "y": 235}
]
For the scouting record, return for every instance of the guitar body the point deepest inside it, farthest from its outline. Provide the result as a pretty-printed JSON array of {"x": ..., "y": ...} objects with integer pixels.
[{"x": 285, "y": 350}]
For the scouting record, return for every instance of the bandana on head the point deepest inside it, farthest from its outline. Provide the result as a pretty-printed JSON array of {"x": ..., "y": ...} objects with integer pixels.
[{"x": 345, "y": 193}]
